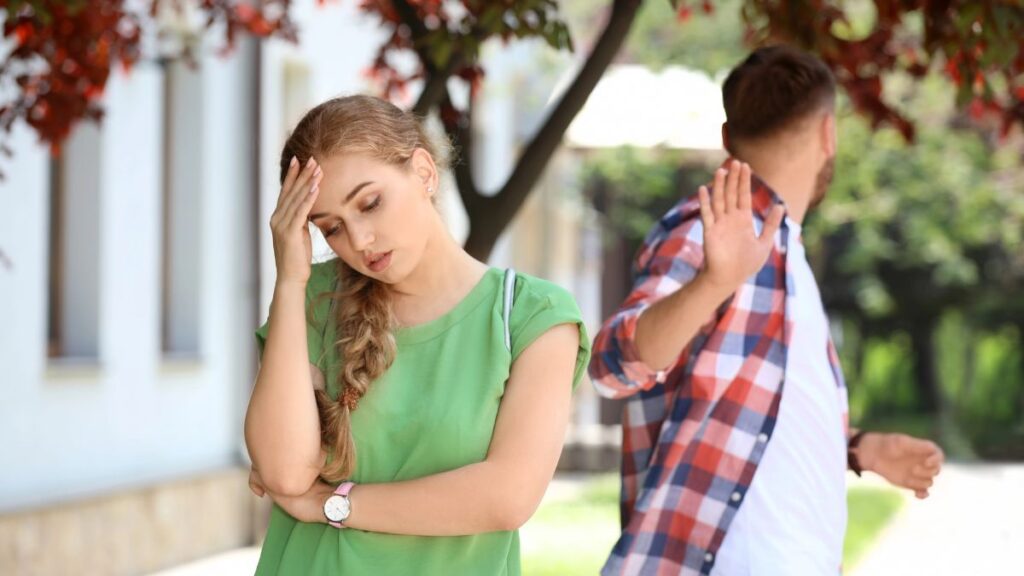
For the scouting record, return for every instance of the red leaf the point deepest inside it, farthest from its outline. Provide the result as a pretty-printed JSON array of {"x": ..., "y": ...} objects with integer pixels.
[
  {"x": 245, "y": 12},
  {"x": 22, "y": 32},
  {"x": 260, "y": 27},
  {"x": 976, "y": 108},
  {"x": 953, "y": 70},
  {"x": 93, "y": 92}
]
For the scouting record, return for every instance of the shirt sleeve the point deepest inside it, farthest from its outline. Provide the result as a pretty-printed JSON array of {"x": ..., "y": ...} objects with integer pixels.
[
  {"x": 321, "y": 282},
  {"x": 670, "y": 258},
  {"x": 539, "y": 306}
]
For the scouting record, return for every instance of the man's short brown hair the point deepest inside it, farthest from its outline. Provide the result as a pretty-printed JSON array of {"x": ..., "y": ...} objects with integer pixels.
[{"x": 772, "y": 89}]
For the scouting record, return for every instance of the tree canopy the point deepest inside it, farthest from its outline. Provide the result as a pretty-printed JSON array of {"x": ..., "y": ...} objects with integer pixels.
[{"x": 63, "y": 50}]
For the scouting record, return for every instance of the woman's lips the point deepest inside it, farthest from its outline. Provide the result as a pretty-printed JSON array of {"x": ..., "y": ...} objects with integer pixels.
[{"x": 379, "y": 262}]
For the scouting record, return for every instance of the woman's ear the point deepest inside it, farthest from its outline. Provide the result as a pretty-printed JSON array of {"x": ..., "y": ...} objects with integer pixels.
[{"x": 423, "y": 167}]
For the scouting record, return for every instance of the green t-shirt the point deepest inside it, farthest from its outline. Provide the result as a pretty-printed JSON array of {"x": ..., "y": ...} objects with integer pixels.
[{"x": 434, "y": 410}]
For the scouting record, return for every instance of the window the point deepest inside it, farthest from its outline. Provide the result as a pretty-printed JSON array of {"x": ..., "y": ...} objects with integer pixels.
[
  {"x": 181, "y": 242},
  {"x": 74, "y": 266}
]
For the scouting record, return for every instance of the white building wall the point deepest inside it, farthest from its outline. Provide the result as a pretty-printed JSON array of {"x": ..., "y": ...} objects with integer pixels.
[{"x": 128, "y": 416}]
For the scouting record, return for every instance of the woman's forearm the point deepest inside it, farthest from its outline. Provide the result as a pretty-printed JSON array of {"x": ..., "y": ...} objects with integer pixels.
[
  {"x": 500, "y": 493},
  {"x": 282, "y": 425},
  {"x": 482, "y": 497}
]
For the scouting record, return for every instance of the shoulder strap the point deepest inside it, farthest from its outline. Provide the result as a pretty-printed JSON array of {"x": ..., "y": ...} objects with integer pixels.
[{"x": 510, "y": 290}]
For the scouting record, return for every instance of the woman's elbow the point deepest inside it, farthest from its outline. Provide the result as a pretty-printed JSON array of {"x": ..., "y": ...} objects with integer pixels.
[
  {"x": 516, "y": 511},
  {"x": 288, "y": 483}
]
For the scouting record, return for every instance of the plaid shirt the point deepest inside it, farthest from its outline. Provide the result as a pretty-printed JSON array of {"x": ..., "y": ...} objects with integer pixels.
[{"x": 693, "y": 434}]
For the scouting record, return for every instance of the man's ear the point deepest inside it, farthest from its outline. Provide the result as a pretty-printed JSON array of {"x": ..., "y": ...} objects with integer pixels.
[
  {"x": 725, "y": 137},
  {"x": 828, "y": 134}
]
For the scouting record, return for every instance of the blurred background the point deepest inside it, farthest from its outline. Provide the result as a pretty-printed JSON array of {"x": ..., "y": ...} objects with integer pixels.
[{"x": 140, "y": 167}]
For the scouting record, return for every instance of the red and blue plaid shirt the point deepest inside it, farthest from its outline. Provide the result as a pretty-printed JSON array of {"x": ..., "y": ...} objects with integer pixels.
[{"x": 693, "y": 434}]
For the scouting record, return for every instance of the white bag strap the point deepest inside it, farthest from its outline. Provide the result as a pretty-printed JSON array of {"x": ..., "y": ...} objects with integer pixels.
[{"x": 510, "y": 290}]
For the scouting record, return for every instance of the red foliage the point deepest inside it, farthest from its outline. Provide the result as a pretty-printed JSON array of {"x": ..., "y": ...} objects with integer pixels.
[
  {"x": 63, "y": 52},
  {"x": 61, "y": 66},
  {"x": 978, "y": 45},
  {"x": 447, "y": 39},
  {"x": 64, "y": 49}
]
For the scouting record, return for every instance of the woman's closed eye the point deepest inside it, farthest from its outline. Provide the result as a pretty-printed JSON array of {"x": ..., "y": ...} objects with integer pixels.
[
  {"x": 373, "y": 205},
  {"x": 370, "y": 207},
  {"x": 331, "y": 231}
]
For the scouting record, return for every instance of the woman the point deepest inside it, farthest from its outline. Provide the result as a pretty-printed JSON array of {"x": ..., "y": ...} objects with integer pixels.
[{"x": 385, "y": 373}]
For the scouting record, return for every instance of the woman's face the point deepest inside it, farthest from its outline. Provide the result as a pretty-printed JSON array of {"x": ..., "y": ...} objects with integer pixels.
[{"x": 375, "y": 216}]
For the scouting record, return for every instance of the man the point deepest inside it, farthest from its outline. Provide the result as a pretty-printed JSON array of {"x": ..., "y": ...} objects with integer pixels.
[{"x": 735, "y": 435}]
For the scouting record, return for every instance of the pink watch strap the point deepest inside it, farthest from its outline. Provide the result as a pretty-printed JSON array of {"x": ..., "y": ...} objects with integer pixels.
[{"x": 342, "y": 490}]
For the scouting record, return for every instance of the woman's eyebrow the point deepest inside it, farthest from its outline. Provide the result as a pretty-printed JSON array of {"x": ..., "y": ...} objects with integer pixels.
[{"x": 350, "y": 196}]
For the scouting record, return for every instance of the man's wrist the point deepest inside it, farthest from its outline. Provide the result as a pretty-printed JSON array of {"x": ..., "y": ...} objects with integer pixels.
[
  {"x": 715, "y": 291},
  {"x": 866, "y": 450}
]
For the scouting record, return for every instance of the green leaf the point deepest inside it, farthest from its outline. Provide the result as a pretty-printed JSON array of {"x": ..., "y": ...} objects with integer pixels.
[
  {"x": 490, "y": 20},
  {"x": 441, "y": 51}
]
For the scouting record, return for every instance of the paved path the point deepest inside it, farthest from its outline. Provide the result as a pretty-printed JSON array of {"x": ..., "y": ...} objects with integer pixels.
[{"x": 972, "y": 524}]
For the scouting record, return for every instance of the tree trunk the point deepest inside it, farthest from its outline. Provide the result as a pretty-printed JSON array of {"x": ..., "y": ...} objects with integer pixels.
[
  {"x": 922, "y": 341},
  {"x": 490, "y": 215},
  {"x": 970, "y": 352},
  {"x": 1020, "y": 375}
]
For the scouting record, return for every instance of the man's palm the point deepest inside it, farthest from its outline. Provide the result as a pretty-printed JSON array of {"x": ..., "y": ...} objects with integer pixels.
[{"x": 732, "y": 249}]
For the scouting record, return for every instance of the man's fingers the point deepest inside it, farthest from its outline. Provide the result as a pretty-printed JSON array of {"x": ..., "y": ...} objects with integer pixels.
[
  {"x": 706, "y": 214},
  {"x": 931, "y": 465},
  {"x": 718, "y": 194},
  {"x": 921, "y": 494},
  {"x": 935, "y": 461},
  {"x": 921, "y": 446},
  {"x": 919, "y": 483},
  {"x": 745, "y": 193},
  {"x": 732, "y": 186}
]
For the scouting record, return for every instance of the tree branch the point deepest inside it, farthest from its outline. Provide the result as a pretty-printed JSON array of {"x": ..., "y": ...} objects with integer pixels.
[
  {"x": 544, "y": 143},
  {"x": 435, "y": 79}
]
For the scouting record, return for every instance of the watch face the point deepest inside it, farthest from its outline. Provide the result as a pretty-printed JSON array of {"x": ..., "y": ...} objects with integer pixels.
[{"x": 336, "y": 508}]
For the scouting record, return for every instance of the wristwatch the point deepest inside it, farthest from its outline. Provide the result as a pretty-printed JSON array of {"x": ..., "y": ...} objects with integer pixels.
[
  {"x": 852, "y": 462},
  {"x": 337, "y": 507}
]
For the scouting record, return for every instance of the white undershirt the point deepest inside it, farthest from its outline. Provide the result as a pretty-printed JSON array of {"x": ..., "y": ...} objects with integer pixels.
[{"x": 793, "y": 518}]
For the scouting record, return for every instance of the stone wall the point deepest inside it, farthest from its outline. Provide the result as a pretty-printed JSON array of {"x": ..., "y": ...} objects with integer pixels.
[{"x": 132, "y": 532}]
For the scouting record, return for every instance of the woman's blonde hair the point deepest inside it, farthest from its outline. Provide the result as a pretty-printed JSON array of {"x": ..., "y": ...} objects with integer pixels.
[{"x": 363, "y": 317}]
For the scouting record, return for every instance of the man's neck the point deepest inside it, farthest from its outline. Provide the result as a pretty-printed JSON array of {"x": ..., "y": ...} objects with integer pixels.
[{"x": 791, "y": 179}]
